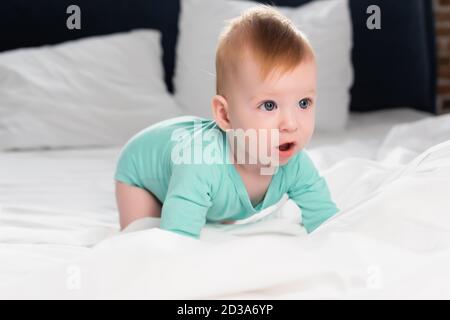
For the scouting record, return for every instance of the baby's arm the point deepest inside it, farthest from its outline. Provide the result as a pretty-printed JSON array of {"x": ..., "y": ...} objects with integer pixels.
[
  {"x": 310, "y": 192},
  {"x": 188, "y": 200}
]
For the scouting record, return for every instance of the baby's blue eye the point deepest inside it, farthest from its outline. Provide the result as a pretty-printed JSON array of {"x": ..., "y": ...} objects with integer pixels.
[
  {"x": 304, "y": 103},
  {"x": 269, "y": 105}
]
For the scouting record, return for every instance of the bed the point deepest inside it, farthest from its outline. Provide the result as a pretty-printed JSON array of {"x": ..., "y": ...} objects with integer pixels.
[{"x": 388, "y": 171}]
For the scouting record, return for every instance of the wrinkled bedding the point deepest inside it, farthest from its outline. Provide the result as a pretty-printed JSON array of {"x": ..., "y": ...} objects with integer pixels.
[{"x": 59, "y": 231}]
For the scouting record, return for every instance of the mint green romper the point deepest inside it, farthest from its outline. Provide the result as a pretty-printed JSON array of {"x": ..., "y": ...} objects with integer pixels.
[{"x": 204, "y": 191}]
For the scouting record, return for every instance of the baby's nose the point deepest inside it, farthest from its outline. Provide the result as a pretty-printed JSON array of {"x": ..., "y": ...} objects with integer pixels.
[{"x": 288, "y": 122}]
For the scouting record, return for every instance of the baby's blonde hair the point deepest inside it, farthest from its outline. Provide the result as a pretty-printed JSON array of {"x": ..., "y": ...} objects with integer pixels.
[{"x": 273, "y": 40}]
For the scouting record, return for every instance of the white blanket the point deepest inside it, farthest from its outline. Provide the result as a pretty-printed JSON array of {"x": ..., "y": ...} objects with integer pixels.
[{"x": 59, "y": 231}]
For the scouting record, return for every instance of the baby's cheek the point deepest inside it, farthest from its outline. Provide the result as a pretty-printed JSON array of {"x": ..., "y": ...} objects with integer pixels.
[
  {"x": 307, "y": 127},
  {"x": 312, "y": 127}
]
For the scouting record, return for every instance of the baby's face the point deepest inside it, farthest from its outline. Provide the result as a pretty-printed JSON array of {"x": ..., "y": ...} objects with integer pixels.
[{"x": 284, "y": 102}]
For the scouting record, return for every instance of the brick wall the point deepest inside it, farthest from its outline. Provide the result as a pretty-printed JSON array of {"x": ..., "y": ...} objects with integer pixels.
[{"x": 442, "y": 14}]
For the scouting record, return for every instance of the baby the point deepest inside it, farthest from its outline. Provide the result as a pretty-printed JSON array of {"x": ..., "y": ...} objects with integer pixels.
[{"x": 265, "y": 81}]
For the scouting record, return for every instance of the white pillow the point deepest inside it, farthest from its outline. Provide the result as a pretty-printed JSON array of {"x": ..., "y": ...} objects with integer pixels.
[
  {"x": 96, "y": 91},
  {"x": 326, "y": 23}
]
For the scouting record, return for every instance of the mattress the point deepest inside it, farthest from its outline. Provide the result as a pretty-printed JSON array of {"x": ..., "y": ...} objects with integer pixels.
[{"x": 389, "y": 173}]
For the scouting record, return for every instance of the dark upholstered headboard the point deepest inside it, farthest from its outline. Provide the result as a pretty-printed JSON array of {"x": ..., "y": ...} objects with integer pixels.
[{"x": 394, "y": 66}]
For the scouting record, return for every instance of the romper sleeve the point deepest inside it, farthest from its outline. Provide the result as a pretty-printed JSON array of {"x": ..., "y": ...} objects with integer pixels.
[
  {"x": 310, "y": 192},
  {"x": 188, "y": 199},
  {"x": 126, "y": 170}
]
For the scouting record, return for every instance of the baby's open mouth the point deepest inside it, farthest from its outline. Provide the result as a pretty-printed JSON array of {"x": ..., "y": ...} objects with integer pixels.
[{"x": 286, "y": 146}]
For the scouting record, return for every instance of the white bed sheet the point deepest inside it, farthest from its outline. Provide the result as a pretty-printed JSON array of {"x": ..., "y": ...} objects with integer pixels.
[{"x": 390, "y": 177}]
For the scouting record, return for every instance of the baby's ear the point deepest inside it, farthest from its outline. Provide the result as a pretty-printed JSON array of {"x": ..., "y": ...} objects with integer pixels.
[{"x": 220, "y": 111}]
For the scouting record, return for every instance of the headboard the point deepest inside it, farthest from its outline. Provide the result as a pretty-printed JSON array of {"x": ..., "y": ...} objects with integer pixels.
[{"x": 394, "y": 66}]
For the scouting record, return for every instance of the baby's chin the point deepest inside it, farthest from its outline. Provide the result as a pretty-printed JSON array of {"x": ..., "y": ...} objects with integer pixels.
[
  {"x": 282, "y": 161},
  {"x": 274, "y": 162}
]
